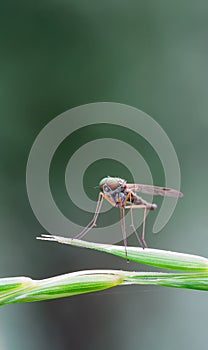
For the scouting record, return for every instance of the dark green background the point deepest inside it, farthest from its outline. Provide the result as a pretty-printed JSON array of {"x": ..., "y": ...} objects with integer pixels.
[{"x": 56, "y": 55}]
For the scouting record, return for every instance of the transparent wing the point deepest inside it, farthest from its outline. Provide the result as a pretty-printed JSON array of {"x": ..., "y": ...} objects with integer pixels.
[{"x": 155, "y": 190}]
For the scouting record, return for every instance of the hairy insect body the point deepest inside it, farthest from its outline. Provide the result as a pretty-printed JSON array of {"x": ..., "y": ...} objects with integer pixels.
[
  {"x": 124, "y": 196},
  {"x": 117, "y": 196},
  {"x": 118, "y": 193},
  {"x": 140, "y": 201}
]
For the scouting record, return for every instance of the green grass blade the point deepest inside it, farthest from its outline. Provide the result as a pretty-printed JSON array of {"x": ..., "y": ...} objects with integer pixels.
[
  {"x": 59, "y": 286},
  {"x": 198, "y": 281},
  {"x": 11, "y": 284},
  {"x": 153, "y": 257},
  {"x": 92, "y": 281},
  {"x": 23, "y": 289}
]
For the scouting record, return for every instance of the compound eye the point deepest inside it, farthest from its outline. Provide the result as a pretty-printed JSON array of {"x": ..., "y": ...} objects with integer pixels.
[{"x": 113, "y": 183}]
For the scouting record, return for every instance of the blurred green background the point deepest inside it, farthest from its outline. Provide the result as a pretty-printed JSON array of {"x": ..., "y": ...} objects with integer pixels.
[{"x": 56, "y": 55}]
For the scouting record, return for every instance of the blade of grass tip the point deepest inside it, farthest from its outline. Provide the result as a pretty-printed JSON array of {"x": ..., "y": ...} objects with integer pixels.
[
  {"x": 65, "y": 285},
  {"x": 153, "y": 257}
]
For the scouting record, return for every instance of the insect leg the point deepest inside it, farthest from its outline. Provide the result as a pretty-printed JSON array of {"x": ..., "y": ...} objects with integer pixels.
[
  {"x": 123, "y": 228},
  {"x": 92, "y": 223},
  {"x": 143, "y": 227},
  {"x": 135, "y": 230},
  {"x": 129, "y": 198},
  {"x": 141, "y": 203}
]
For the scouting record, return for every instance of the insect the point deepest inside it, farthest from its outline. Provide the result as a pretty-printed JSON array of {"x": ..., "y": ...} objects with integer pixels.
[{"x": 124, "y": 195}]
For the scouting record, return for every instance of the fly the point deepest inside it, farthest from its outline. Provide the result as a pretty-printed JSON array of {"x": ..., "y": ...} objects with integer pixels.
[{"x": 123, "y": 195}]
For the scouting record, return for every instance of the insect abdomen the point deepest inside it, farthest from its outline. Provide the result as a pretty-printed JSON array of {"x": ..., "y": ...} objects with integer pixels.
[{"x": 139, "y": 201}]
